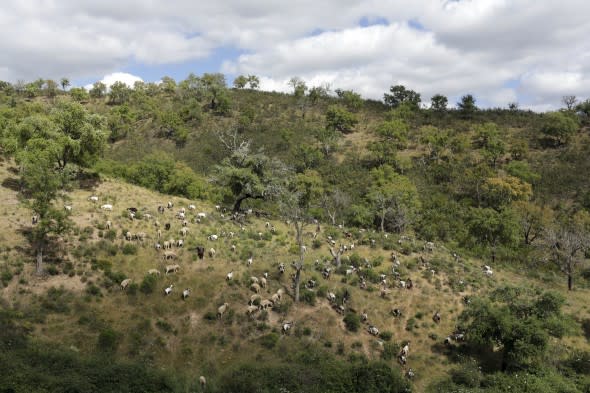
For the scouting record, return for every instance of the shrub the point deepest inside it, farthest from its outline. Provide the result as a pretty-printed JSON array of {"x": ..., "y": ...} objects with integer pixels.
[
  {"x": 108, "y": 340},
  {"x": 129, "y": 249},
  {"x": 52, "y": 270},
  {"x": 148, "y": 284},
  {"x": 352, "y": 322},
  {"x": 269, "y": 341},
  {"x": 386, "y": 335},
  {"x": 93, "y": 290},
  {"x": 389, "y": 351},
  {"x": 308, "y": 297},
  {"x": 6, "y": 277}
]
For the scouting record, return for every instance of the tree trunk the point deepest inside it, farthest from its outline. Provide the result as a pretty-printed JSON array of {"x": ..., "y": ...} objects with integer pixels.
[
  {"x": 383, "y": 221},
  {"x": 39, "y": 260},
  {"x": 238, "y": 202},
  {"x": 297, "y": 280},
  {"x": 570, "y": 281}
]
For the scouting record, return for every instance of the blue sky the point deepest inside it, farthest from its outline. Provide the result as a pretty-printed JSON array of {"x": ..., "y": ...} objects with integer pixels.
[{"x": 500, "y": 51}]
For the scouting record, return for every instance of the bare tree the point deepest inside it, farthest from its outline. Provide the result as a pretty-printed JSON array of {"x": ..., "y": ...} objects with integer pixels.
[
  {"x": 567, "y": 247},
  {"x": 337, "y": 255},
  {"x": 569, "y": 102},
  {"x": 334, "y": 202}
]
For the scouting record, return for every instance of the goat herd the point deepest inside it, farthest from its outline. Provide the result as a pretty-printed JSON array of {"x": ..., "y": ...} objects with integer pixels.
[{"x": 256, "y": 304}]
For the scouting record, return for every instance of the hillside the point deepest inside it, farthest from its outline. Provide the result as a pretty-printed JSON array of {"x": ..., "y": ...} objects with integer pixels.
[{"x": 445, "y": 193}]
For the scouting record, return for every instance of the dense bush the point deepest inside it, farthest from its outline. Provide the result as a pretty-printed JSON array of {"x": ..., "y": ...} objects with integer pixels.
[{"x": 352, "y": 322}]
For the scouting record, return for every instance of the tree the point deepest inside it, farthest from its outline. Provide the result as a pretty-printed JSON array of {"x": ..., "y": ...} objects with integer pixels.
[
  {"x": 298, "y": 85},
  {"x": 168, "y": 85},
  {"x": 339, "y": 119},
  {"x": 79, "y": 94},
  {"x": 353, "y": 101},
  {"x": 533, "y": 220},
  {"x": 240, "y": 82},
  {"x": 119, "y": 93},
  {"x": 490, "y": 140},
  {"x": 501, "y": 190},
  {"x": 327, "y": 140},
  {"x": 253, "y": 82},
  {"x": 567, "y": 245},
  {"x": 295, "y": 201},
  {"x": 467, "y": 105},
  {"x": 43, "y": 185},
  {"x": 569, "y": 102},
  {"x": 98, "y": 90},
  {"x": 394, "y": 198},
  {"x": 399, "y": 94},
  {"x": 248, "y": 175},
  {"x": 393, "y": 132},
  {"x": 439, "y": 103},
  {"x": 50, "y": 88},
  {"x": 333, "y": 202},
  {"x": 558, "y": 127},
  {"x": 515, "y": 326},
  {"x": 492, "y": 228},
  {"x": 65, "y": 82},
  {"x": 72, "y": 135},
  {"x": 212, "y": 87}
]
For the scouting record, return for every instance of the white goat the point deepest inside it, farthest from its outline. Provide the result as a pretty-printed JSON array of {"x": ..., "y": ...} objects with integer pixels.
[{"x": 168, "y": 290}]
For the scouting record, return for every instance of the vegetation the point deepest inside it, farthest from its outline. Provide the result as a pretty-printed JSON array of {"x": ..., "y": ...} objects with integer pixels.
[{"x": 299, "y": 179}]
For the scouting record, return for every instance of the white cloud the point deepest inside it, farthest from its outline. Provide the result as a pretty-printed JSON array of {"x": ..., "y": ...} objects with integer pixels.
[
  {"x": 124, "y": 77},
  {"x": 464, "y": 46}
]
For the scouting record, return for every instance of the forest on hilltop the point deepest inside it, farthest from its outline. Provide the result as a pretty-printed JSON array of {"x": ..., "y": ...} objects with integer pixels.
[{"x": 503, "y": 186}]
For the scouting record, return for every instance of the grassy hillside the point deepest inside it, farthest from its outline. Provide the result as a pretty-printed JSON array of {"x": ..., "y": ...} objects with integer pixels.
[
  {"x": 489, "y": 187},
  {"x": 81, "y": 299}
]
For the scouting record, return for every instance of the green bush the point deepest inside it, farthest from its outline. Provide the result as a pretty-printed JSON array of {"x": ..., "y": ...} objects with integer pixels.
[
  {"x": 52, "y": 270},
  {"x": 108, "y": 340},
  {"x": 386, "y": 335},
  {"x": 269, "y": 341},
  {"x": 352, "y": 322},
  {"x": 308, "y": 297},
  {"x": 148, "y": 284},
  {"x": 129, "y": 249}
]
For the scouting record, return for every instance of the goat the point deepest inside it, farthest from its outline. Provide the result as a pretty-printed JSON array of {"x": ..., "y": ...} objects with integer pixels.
[
  {"x": 169, "y": 255},
  {"x": 185, "y": 293},
  {"x": 154, "y": 271},
  {"x": 212, "y": 237},
  {"x": 373, "y": 330},
  {"x": 286, "y": 327},
  {"x": 221, "y": 310},
  {"x": 168, "y": 290},
  {"x": 93, "y": 198},
  {"x": 125, "y": 283},
  {"x": 211, "y": 252},
  {"x": 192, "y": 207},
  {"x": 200, "y": 251},
  {"x": 172, "y": 268},
  {"x": 229, "y": 276}
]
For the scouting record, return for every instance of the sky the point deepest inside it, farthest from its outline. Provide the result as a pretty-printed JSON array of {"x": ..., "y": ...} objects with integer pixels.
[{"x": 532, "y": 52}]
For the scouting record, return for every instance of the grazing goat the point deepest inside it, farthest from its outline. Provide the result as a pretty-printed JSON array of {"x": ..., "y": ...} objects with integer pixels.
[
  {"x": 168, "y": 290},
  {"x": 373, "y": 330},
  {"x": 281, "y": 268},
  {"x": 172, "y": 268},
  {"x": 167, "y": 226},
  {"x": 68, "y": 208},
  {"x": 249, "y": 261},
  {"x": 203, "y": 382},
  {"x": 109, "y": 225},
  {"x": 154, "y": 271},
  {"x": 93, "y": 198},
  {"x": 229, "y": 276},
  {"x": 192, "y": 207},
  {"x": 286, "y": 327},
  {"x": 185, "y": 293},
  {"x": 213, "y": 237},
  {"x": 200, "y": 252},
  {"x": 221, "y": 310},
  {"x": 211, "y": 252},
  {"x": 169, "y": 255},
  {"x": 107, "y": 206},
  {"x": 125, "y": 283},
  {"x": 436, "y": 317}
]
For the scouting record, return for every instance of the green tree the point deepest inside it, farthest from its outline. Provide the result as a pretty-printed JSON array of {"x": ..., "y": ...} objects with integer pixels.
[
  {"x": 492, "y": 228},
  {"x": 317, "y": 93},
  {"x": 394, "y": 198},
  {"x": 253, "y": 82},
  {"x": 399, "y": 95},
  {"x": 240, "y": 82},
  {"x": 558, "y": 127},
  {"x": 50, "y": 88},
  {"x": 439, "y": 103},
  {"x": 248, "y": 175},
  {"x": 467, "y": 106},
  {"x": 515, "y": 328},
  {"x": 393, "y": 132},
  {"x": 98, "y": 90},
  {"x": 533, "y": 220},
  {"x": 43, "y": 185},
  {"x": 119, "y": 93},
  {"x": 499, "y": 191},
  {"x": 489, "y": 139},
  {"x": 353, "y": 101},
  {"x": 168, "y": 85},
  {"x": 298, "y": 85},
  {"x": 339, "y": 119},
  {"x": 569, "y": 101},
  {"x": 65, "y": 82},
  {"x": 79, "y": 94}
]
